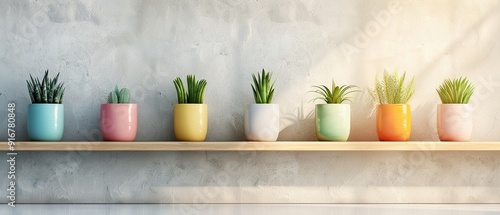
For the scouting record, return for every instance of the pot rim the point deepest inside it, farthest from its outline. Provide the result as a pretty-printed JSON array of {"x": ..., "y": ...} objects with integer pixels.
[
  {"x": 263, "y": 104},
  {"x": 191, "y": 104},
  {"x": 119, "y": 104},
  {"x": 45, "y": 104},
  {"x": 393, "y": 104},
  {"x": 454, "y": 104},
  {"x": 330, "y": 104}
]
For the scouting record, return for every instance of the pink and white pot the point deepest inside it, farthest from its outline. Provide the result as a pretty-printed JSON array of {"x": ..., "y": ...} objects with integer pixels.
[
  {"x": 454, "y": 122},
  {"x": 119, "y": 122}
]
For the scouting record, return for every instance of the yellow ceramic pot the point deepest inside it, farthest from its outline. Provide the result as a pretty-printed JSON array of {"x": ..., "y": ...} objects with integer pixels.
[
  {"x": 393, "y": 122},
  {"x": 190, "y": 122}
]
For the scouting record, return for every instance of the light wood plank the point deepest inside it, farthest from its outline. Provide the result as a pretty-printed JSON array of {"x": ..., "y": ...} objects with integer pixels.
[{"x": 255, "y": 146}]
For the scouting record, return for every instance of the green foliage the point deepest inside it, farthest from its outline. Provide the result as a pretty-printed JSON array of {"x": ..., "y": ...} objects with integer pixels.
[
  {"x": 119, "y": 96},
  {"x": 195, "y": 91},
  {"x": 48, "y": 91},
  {"x": 336, "y": 95},
  {"x": 263, "y": 90},
  {"x": 456, "y": 91},
  {"x": 392, "y": 89}
]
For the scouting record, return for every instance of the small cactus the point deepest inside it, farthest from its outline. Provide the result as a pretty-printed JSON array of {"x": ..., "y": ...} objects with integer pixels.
[
  {"x": 119, "y": 96},
  {"x": 124, "y": 96},
  {"x": 112, "y": 98}
]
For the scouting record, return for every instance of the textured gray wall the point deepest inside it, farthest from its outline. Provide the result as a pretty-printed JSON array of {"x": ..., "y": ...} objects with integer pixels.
[
  {"x": 144, "y": 45},
  {"x": 270, "y": 177}
]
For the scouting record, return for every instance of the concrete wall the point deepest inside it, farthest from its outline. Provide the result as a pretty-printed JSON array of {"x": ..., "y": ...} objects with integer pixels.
[{"x": 144, "y": 45}]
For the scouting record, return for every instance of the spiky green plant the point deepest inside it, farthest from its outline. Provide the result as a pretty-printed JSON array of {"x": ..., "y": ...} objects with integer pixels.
[
  {"x": 194, "y": 93},
  {"x": 263, "y": 90},
  {"x": 392, "y": 89},
  {"x": 456, "y": 91},
  {"x": 48, "y": 91},
  {"x": 119, "y": 96},
  {"x": 334, "y": 95}
]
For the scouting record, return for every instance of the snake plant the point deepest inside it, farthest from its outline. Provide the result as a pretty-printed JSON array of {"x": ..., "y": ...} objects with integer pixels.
[
  {"x": 46, "y": 91},
  {"x": 263, "y": 90},
  {"x": 195, "y": 90}
]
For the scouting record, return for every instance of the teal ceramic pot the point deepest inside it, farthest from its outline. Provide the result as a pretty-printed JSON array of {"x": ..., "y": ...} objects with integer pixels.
[
  {"x": 46, "y": 122},
  {"x": 333, "y": 122}
]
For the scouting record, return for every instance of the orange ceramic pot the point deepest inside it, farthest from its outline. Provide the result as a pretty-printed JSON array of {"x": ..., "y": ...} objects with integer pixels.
[{"x": 393, "y": 122}]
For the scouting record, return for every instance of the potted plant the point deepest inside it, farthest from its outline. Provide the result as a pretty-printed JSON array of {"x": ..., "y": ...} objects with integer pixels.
[
  {"x": 262, "y": 120},
  {"x": 190, "y": 114},
  {"x": 333, "y": 119},
  {"x": 119, "y": 118},
  {"x": 46, "y": 113},
  {"x": 454, "y": 115},
  {"x": 393, "y": 112}
]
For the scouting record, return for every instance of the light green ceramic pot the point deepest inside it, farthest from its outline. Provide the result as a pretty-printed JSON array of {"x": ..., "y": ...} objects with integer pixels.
[{"x": 333, "y": 122}]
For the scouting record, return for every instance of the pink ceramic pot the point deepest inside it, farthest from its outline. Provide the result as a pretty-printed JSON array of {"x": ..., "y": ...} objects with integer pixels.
[
  {"x": 119, "y": 122},
  {"x": 454, "y": 122}
]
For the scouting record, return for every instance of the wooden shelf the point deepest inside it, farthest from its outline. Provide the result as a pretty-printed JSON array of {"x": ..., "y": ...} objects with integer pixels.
[{"x": 255, "y": 146}]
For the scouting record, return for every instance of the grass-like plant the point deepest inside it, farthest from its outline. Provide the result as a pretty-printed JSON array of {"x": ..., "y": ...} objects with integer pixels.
[
  {"x": 263, "y": 90},
  {"x": 47, "y": 91},
  {"x": 195, "y": 90},
  {"x": 334, "y": 95},
  {"x": 392, "y": 89},
  {"x": 456, "y": 91},
  {"x": 119, "y": 96}
]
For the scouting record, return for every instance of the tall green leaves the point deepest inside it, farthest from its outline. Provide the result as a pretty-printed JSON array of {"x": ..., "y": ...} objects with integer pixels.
[
  {"x": 48, "y": 91},
  {"x": 194, "y": 93},
  {"x": 392, "y": 89},
  {"x": 456, "y": 91},
  {"x": 263, "y": 90},
  {"x": 336, "y": 95}
]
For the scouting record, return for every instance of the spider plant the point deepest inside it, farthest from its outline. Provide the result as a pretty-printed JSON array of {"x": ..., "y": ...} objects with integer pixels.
[
  {"x": 334, "y": 95},
  {"x": 392, "y": 89},
  {"x": 263, "y": 90},
  {"x": 455, "y": 91},
  {"x": 195, "y": 90}
]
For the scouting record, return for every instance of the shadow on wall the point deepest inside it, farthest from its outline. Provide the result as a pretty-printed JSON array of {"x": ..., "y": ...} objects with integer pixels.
[
  {"x": 363, "y": 118},
  {"x": 299, "y": 124},
  {"x": 424, "y": 122}
]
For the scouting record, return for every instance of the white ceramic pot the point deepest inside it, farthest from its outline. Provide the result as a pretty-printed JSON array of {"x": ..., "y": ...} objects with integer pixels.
[
  {"x": 454, "y": 122},
  {"x": 262, "y": 122}
]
